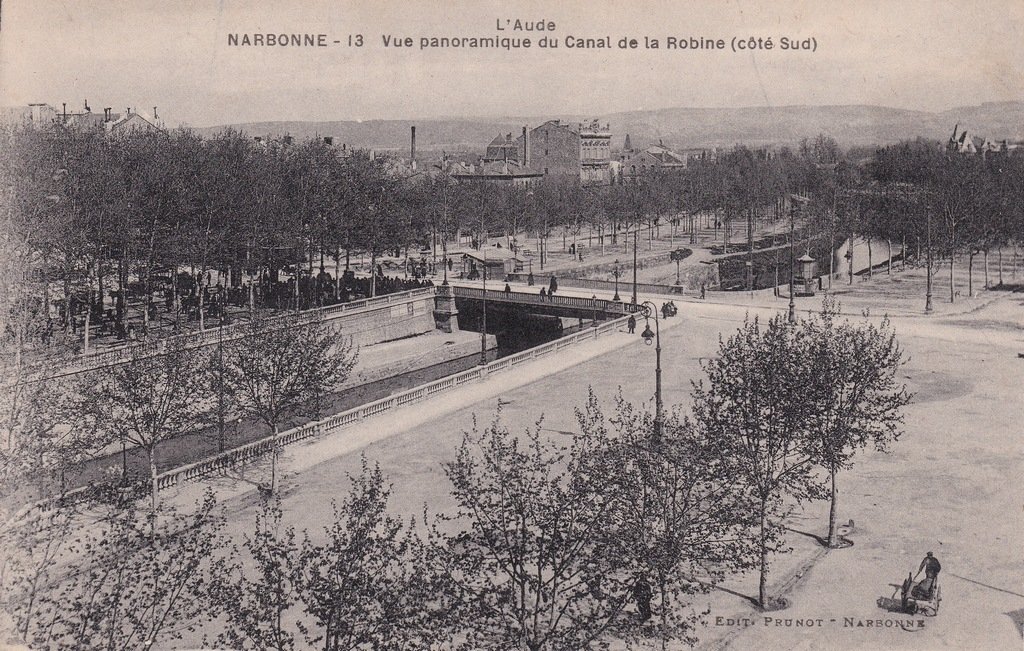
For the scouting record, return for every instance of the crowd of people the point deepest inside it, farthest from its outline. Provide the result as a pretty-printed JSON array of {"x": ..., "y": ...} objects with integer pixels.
[{"x": 215, "y": 301}]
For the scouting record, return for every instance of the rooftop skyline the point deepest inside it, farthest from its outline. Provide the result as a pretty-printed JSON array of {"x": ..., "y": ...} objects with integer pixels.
[{"x": 912, "y": 55}]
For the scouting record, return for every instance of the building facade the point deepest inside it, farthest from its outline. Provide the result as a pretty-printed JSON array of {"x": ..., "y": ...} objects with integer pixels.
[
  {"x": 503, "y": 148},
  {"x": 636, "y": 162},
  {"x": 965, "y": 143},
  {"x": 577, "y": 149},
  {"x": 38, "y": 115},
  {"x": 498, "y": 172}
]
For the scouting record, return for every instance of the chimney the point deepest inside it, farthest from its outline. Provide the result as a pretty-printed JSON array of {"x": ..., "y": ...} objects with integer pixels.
[
  {"x": 106, "y": 114},
  {"x": 87, "y": 109},
  {"x": 128, "y": 110},
  {"x": 412, "y": 156},
  {"x": 65, "y": 110},
  {"x": 155, "y": 116},
  {"x": 526, "y": 147}
]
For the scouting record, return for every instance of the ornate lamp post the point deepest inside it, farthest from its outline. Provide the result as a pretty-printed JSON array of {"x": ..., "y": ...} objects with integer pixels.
[
  {"x": 649, "y": 310},
  {"x": 483, "y": 327},
  {"x": 677, "y": 257},
  {"x": 792, "y": 264},
  {"x": 928, "y": 271},
  {"x": 633, "y": 301},
  {"x": 616, "y": 273}
]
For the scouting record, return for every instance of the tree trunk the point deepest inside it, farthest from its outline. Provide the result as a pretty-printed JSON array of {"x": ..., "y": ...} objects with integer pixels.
[
  {"x": 66, "y": 308},
  {"x": 153, "y": 477},
  {"x": 833, "y": 538},
  {"x": 373, "y": 273},
  {"x": 275, "y": 452},
  {"x": 985, "y": 258},
  {"x": 970, "y": 273},
  {"x": 200, "y": 302},
  {"x": 88, "y": 316},
  {"x": 762, "y": 587},
  {"x": 252, "y": 296},
  {"x": 119, "y": 304},
  {"x": 870, "y": 263},
  {"x": 952, "y": 282},
  {"x": 888, "y": 266},
  {"x": 1000, "y": 261},
  {"x": 99, "y": 283},
  {"x": 175, "y": 301},
  {"x": 337, "y": 273},
  {"x": 831, "y": 256},
  {"x": 664, "y": 612}
]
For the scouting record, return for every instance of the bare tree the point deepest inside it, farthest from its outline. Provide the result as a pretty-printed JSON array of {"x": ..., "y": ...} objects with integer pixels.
[
  {"x": 118, "y": 580},
  {"x": 681, "y": 518},
  {"x": 751, "y": 409},
  {"x": 254, "y": 594},
  {"x": 283, "y": 368},
  {"x": 529, "y": 567},
  {"x": 151, "y": 399},
  {"x": 853, "y": 398},
  {"x": 365, "y": 586}
]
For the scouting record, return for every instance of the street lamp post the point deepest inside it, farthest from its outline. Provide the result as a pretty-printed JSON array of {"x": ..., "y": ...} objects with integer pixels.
[
  {"x": 634, "y": 265},
  {"x": 649, "y": 310},
  {"x": 593, "y": 300},
  {"x": 220, "y": 380},
  {"x": 483, "y": 326},
  {"x": 616, "y": 274},
  {"x": 792, "y": 263},
  {"x": 928, "y": 257}
]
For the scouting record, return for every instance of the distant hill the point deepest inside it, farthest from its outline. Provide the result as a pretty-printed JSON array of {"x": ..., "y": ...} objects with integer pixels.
[{"x": 681, "y": 128}]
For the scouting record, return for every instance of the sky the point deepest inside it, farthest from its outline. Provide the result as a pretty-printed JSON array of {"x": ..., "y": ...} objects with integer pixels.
[{"x": 924, "y": 55}]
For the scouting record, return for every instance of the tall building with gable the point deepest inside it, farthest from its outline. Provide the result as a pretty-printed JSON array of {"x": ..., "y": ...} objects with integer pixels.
[{"x": 579, "y": 149}]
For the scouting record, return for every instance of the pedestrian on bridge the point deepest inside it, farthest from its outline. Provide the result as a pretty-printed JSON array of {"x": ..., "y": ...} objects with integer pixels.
[
  {"x": 631, "y": 324},
  {"x": 508, "y": 290}
]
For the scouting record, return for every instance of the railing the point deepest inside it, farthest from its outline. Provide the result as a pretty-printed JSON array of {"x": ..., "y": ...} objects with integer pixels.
[
  {"x": 346, "y": 418},
  {"x": 624, "y": 287},
  {"x": 236, "y": 330},
  {"x": 590, "y": 304}
]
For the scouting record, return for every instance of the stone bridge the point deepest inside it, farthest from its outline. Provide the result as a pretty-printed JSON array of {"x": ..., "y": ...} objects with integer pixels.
[{"x": 575, "y": 307}]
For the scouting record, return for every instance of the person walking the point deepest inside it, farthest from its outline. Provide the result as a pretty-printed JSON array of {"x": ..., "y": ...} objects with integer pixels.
[
  {"x": 930, "y": 565},
  {"x": 703, "y": 291},
  {"x": 631, "y": 324},
  {"x": 508, "y": 290}
]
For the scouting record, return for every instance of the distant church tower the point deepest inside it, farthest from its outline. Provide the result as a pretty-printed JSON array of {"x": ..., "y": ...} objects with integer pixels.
[{"x": 627, "y": 146}]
